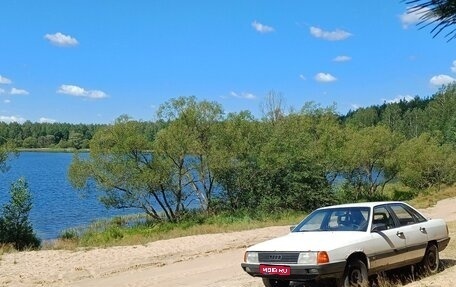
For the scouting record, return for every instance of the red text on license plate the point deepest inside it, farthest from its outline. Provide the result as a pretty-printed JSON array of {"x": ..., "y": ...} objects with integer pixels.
[{"x": 274, "y": 270}]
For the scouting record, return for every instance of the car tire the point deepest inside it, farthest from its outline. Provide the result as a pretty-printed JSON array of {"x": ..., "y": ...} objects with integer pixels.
[
  {"x": 431, "y": 261},
  {"x": 355, "y": 275},
  {"x": 275, "y": 283}
]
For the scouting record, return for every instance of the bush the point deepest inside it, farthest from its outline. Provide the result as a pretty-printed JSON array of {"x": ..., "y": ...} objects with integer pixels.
[
  {"x": 15, "y": 227},
  {"x": 69, "y": 234}
]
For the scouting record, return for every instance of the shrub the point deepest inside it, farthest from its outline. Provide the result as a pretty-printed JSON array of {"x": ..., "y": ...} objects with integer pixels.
[{"x": 15, "y": 227}]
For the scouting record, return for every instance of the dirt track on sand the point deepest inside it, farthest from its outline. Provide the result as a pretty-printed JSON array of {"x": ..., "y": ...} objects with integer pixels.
[{"x": 194, "y": 261}]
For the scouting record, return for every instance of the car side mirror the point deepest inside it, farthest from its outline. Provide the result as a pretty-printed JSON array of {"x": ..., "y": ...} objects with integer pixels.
[
  {"x": 378, "y": 227},
  {"x": 292, "y": 227}
]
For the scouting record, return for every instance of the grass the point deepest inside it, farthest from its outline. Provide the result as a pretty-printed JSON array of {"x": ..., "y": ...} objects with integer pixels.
[
  {"x": 134, "y": 230},
  {"x": 138, "y": 229},
  {"x": 431, "y": 197}
]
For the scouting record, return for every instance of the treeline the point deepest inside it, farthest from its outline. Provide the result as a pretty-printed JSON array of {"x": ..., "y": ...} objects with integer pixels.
[
  {"x": 201, "y": 158},
  {"x": 435, "y": 116},
  {"x": 47, "y": 135}
]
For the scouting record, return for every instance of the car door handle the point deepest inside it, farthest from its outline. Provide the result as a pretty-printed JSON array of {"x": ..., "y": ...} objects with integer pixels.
[
  {"x": 400, "y": 234},
  {"x": 423, "y": 229}
]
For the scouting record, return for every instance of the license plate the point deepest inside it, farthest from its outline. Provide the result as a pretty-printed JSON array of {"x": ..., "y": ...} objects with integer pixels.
[{"x": 275, "y": 270}]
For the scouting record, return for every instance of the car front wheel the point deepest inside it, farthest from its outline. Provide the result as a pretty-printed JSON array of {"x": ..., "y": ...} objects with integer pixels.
[
  {"x": 431, "y": 260},
  {"x": 275, "y": 283},
  {"x": 355, "y": 275}
]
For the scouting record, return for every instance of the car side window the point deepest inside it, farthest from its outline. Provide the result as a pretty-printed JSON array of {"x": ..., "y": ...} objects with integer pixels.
[
  {"x": 418, "y": 217},
  {"x": 382, "y": 216},
  {"x": 403, "y": 215}
]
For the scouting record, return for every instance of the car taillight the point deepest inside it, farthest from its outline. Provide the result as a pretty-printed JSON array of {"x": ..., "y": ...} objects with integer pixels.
[{"x": 322, "y": 257}]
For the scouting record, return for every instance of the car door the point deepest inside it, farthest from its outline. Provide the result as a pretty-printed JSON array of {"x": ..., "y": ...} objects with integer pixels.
[
  {"x": 412, "y": 227},
  {"x": 387, "y": 248}
]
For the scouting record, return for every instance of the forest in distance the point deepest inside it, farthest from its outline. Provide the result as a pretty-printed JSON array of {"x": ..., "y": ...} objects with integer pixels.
[
  {"x": 195, "y": 155},
  {"x": 411, "y": 118}
]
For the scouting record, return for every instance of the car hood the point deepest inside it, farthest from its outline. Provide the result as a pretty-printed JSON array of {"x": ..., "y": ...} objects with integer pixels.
[{"x": 311, "y": 241}]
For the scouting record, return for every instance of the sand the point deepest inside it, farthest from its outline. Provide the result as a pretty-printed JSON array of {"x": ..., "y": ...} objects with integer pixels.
[{"x": 193, "y": 261}]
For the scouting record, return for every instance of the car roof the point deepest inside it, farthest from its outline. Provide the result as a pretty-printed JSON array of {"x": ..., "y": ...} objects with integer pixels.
[{"x": 362, "y": 204}]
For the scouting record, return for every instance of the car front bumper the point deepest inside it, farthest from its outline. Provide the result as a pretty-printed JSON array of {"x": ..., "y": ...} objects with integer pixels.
[{"x": 301, "y": 272}]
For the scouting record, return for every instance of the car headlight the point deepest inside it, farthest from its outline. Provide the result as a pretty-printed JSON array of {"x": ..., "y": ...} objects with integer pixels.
[
  {"x": 307, "y": 258},
  {"x": 251, "y": 257},
  {"x": 312, "y": 257}
]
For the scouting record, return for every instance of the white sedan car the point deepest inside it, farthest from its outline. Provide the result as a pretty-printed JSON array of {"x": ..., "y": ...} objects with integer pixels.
[{"x": 347, "y": 243}]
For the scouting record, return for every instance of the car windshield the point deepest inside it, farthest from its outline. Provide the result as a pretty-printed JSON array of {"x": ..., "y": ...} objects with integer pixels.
[{"x": 335, "y": 219}]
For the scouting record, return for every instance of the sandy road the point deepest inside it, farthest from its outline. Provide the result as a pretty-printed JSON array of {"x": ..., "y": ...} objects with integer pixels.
[
  {"x": 215, "y": 270},
  {"x": 193, "y": 261}
]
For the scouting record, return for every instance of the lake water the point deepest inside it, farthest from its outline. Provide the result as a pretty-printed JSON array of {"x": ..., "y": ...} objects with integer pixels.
[{"x": 56, "y": 204}]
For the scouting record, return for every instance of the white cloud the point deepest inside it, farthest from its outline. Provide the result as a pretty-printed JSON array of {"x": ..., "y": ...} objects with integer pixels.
[
  {"x": 61, "y": 40},
  {"x": 453, "y": 68},
  {"x": 7, "y": 101},
  {"x": 47, "y": 120},
  {"x": 355, "y": 107},
  {"x": 76, "y": 91},
  {"x": 2, "y": 91},
  {"x": 247, "y": 96},
  {"x": 96, "y": 94},
  {"x": 261, "y": 27},
  {"x": 342, "y": 59},
  {"x": 15, "y": 91},
  {"x": 10, "y": 119},
  {"x": 440, "y": 80},
  {"x": 412, "y": 17},
  {"x": 399, "y": 98},
  {"x": 336, "y": 35},
  {"x": 302, "y": 77},
  {"x": 325, "y": 78},
  {"x": 4, "y": 80}
]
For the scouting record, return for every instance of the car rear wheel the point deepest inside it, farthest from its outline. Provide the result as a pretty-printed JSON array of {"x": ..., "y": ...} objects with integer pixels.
[
  {"x": 275, "y": 283},
  {"x": 355, "y": 275},
  {"x": 431, "y": 260}
]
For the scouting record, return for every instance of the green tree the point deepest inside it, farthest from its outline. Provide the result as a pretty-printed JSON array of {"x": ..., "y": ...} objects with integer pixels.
[
  {"x": 236, "y": 161},
  {"x": 293, "y": 166},
  {"x": 186, "y": 145},
  {"x": 30, "y": 142},
  {"x": 123, "y": 167},
  {"x": 425, "y": 163},
  {"x": 363, "y": 117},
  {"x": 15, "y": 227},
  {"x": 441, "y": 112},
  {"x": 392, "y": 117},
  {"x": 369, "y": 161}
]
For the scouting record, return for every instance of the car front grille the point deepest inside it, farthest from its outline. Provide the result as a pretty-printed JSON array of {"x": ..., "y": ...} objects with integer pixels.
[{"x": 278, "y": 257}]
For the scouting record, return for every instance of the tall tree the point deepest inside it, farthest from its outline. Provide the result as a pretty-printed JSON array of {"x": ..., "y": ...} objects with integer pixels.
[
  {"x": 369, "y": 161},
  {"x": 273, "y": 107},
  {"x": 187, "y": 144},
  {"x": 122, "y": 165},
  {"x": 238, "y": 144}
]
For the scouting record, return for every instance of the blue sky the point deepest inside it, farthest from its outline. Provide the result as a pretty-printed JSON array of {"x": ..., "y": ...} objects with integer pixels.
[{"x": 82, "y": 61}]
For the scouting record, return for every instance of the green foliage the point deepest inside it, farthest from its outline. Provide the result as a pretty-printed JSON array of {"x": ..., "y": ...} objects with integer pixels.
[
  {"x": 48, "y": 135},
  {"x": 15, "y": 227},
  {"x": 369, "y": 161},
  {"x": 69, "y": 234},
  {"x": 194, "y": 157},
  {"x": 425, "y": 163}
]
